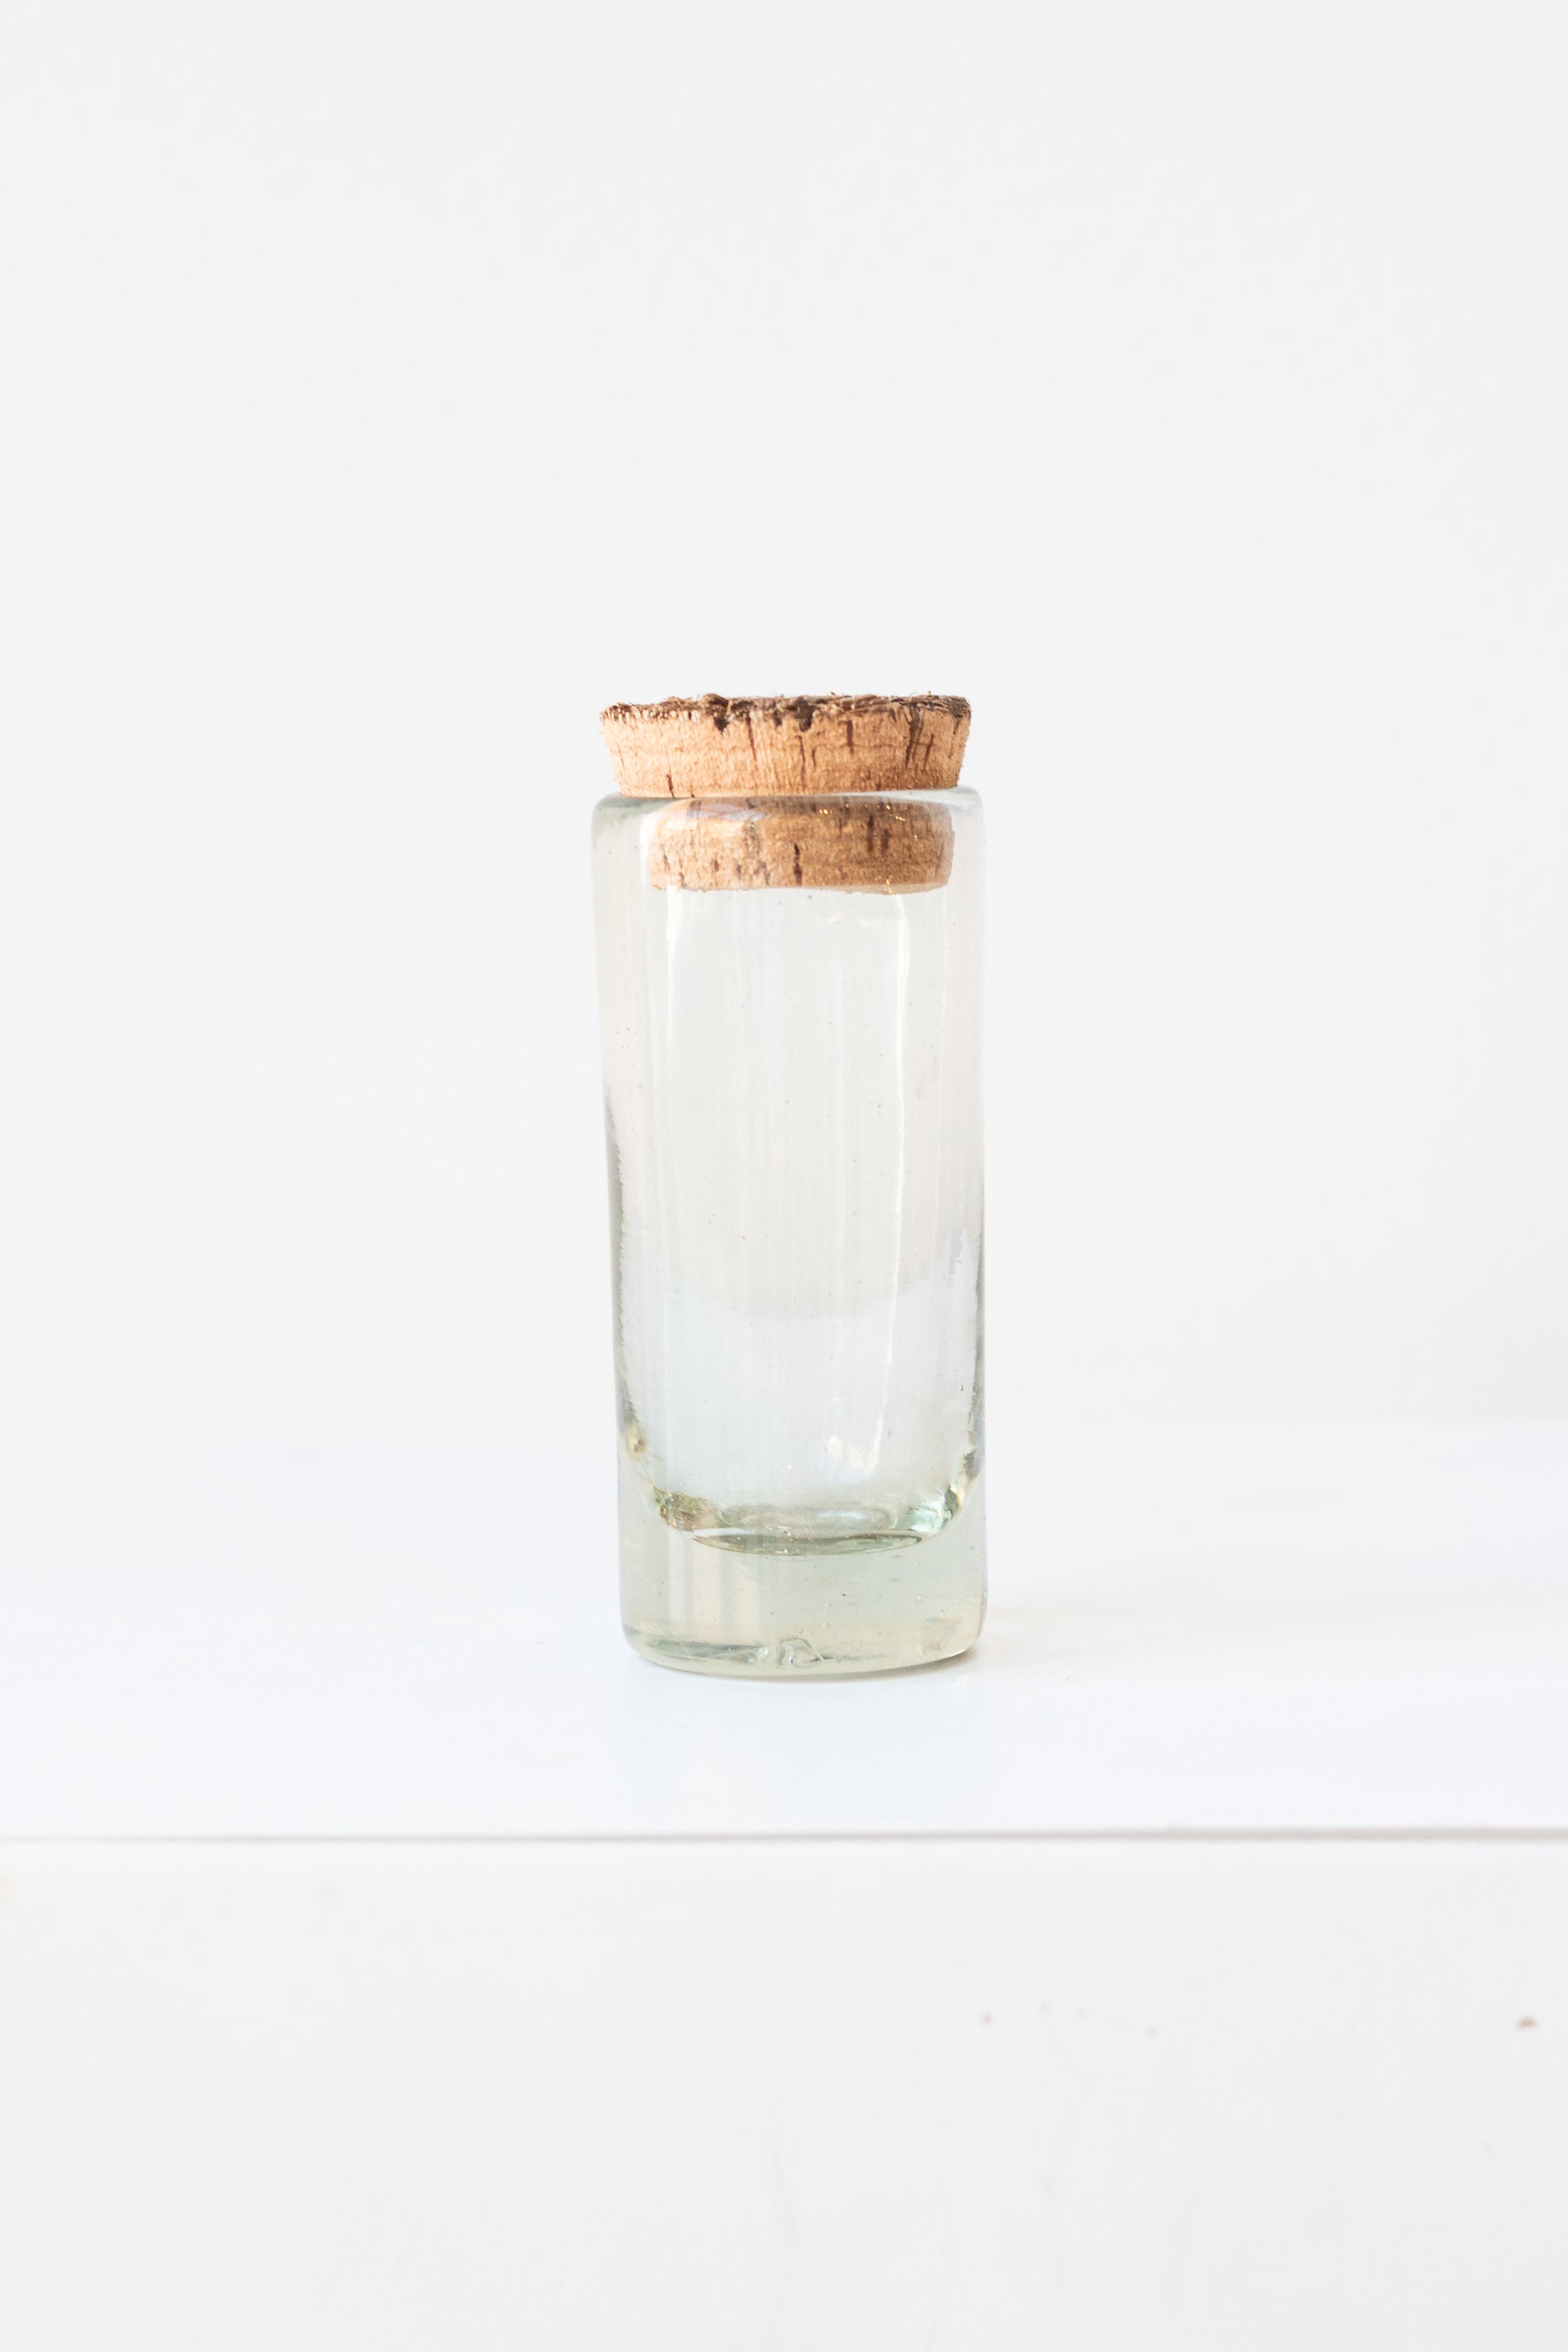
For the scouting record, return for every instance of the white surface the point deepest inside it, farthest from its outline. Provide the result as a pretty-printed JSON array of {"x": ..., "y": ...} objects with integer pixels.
[
  {"x": 385, "y": 388},
  {"x": 1328, "y": 1629},
  {"x": 739, "y": 2098}
]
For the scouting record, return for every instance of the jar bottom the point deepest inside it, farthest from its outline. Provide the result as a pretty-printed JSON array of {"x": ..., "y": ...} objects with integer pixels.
[{"x": 706, "y": 1609}]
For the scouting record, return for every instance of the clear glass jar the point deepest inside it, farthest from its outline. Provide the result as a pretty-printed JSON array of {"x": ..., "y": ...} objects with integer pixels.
[{"x": 791, "y": 1024}]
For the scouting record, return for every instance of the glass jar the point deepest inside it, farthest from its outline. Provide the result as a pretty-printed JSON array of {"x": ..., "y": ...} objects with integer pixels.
[{"x": 790, "y": 995}]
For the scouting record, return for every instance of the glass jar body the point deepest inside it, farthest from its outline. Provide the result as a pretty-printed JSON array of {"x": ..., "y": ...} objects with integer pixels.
[{"x": 792, "y": 1079}]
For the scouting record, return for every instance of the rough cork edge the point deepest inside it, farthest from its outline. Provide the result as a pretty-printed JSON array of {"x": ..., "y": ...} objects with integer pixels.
[
  {"x": 767, "y": 746},
  {"x": 888, "y": 846}
]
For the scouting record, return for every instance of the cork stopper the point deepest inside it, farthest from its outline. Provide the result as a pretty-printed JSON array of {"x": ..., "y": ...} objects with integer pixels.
[
  {"x": 724, "y": 747},
  {"x": 873, "y": 844}
]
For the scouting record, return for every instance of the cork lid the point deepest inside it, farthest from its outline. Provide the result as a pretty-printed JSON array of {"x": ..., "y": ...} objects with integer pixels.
[
  {"x": 892, "y": 847},
  {"x": 723, "y": 746}
]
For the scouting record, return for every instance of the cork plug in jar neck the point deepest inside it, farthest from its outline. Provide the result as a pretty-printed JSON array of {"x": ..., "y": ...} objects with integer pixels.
[{"x": 752, "y": 753}]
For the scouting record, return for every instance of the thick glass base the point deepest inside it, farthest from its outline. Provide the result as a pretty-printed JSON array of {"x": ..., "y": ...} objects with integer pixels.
[{"x": 690, "y": 1602}]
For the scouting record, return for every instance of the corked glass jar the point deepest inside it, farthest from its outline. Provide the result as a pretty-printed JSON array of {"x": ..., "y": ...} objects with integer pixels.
[{"x": 789, "y": 902}]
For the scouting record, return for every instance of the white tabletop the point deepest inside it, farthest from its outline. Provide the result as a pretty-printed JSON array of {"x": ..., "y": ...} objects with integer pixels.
[{"x": 1333, "y": 1629}]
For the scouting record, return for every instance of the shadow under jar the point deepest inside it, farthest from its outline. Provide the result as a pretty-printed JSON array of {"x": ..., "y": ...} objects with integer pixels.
[{"x": 789, "y": 900}]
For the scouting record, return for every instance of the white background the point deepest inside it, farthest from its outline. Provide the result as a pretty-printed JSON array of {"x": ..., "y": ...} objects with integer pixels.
[
  {"x": 681, "y": 2098},
  {"x": 385, "y": 387}
]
